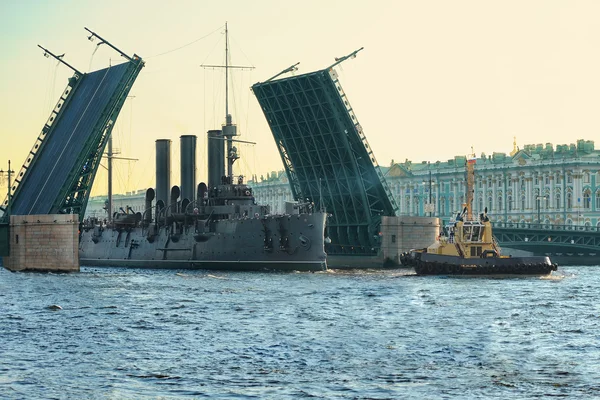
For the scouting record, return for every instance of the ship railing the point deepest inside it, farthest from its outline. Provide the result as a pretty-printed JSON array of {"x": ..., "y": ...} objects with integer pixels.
[{"x": 496, "y": 245}]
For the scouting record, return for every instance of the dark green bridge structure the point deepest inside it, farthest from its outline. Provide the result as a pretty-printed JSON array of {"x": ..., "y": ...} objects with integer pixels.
[
  {"x": 326, "y": 156},
  {"x": 565, "y": 244}
]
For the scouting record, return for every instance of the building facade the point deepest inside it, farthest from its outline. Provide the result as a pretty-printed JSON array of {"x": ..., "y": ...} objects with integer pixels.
[{"x": 539, "y": 184}]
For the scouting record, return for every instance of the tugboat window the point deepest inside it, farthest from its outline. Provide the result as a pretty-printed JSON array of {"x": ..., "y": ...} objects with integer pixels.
[
  {"x": 475, "y": 236},
  {"x": 467, "y": 233}
]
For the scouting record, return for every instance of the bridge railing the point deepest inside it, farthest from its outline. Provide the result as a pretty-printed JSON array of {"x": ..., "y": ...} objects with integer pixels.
[{"x": 545, "y": 227}]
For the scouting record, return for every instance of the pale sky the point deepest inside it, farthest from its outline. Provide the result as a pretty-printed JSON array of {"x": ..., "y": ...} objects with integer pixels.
[{"x": 435, "y": 77}]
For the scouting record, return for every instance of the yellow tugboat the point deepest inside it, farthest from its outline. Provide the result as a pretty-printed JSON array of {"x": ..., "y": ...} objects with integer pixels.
[{"x": 467, "y": 247}]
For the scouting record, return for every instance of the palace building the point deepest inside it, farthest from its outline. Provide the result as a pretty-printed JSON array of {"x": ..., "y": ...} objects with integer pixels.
[{"x": 537, "y": 184}]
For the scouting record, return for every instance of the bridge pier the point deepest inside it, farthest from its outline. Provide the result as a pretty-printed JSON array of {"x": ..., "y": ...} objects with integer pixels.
[
  {"x": 43, "y": 243},
  {"x": 400, "y": 234}
]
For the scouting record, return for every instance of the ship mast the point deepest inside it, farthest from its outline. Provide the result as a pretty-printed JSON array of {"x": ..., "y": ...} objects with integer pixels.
[{"x": 229, "y": 128}]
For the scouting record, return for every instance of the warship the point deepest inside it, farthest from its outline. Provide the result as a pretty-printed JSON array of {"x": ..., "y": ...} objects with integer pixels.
[
  {"x": 467, "y": 246},
  {"x": 214, "y": 225}
]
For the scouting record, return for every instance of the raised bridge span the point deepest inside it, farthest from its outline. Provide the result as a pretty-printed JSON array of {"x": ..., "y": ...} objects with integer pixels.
[
  {"x": 59, "y": 171},
  {"x": 326, "y": 156}
]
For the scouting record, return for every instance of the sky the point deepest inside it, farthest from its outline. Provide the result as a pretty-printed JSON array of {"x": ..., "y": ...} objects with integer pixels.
[{"x": 435, "y": 78}]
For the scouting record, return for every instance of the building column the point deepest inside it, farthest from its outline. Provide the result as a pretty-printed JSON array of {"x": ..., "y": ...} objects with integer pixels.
[
  {"x": 411, "y": 205},
  {"x": 528, "y": 192},
  {"x": 494, "y": 204},
  {"x": 578, "y": 196}
]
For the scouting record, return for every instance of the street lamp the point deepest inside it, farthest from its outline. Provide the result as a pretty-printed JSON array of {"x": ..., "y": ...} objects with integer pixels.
[
  {"x": 9, "y": 172},
  {"x": 429, "y": 205}
]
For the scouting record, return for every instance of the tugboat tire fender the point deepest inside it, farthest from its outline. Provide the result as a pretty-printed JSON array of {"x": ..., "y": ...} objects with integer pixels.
[{"x": 489, "y": 253}]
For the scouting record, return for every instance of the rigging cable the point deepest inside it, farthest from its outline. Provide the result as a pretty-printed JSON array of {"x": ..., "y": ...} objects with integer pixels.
[
  {"x": 92, "y": 57},
  {"x": 186, "y": 45}
]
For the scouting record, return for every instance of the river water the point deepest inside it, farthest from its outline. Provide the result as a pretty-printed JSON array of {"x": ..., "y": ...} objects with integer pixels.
[{"x": 131, "y": 334}]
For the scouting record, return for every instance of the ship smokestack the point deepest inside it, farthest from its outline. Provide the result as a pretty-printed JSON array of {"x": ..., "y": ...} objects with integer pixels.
[
  {"x": 188, "y": 166},
  {"x": 148, "y": 209},
  {"x": 175, "y": 193},
  {"x": 216, "y": 158},
  {"x": 163, "y": 170}
]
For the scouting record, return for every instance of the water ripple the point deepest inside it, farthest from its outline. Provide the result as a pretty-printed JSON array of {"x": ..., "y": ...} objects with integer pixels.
[{"x": 373, "y": 334}]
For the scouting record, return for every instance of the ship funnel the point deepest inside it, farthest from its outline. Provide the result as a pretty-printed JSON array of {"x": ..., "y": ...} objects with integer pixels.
[
  {"x": 216, "y": 158},
  {"x": 188, "y": 166},
  {"x": 202, "y": 191},
  {"x": 163, "y": 170},
  {"x": 175, "y": 193},
  {"x": 148, "y": 209}
]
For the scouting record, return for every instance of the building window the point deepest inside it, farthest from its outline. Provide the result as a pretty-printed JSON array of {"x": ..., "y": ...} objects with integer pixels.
[
  {"x": 393, "y": 238},
  {"x": 569, "y": 201},
  {"x": 499, "y": 203},
  {"x": 522, "y": 202},
  {"x": 598, "y": 200},
  {"x": 557, "y": 197},
  {"x": 586, "y": 177},
  {"x": 547, "y": 180},
  {"x": 509, "y": 202},
  {"x": 537, "y": 180},
  {"x": 569, "y": 178},
  {"x": 587, "y": 196}
]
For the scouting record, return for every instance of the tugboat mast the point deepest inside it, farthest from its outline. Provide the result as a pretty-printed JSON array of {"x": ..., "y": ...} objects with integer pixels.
[{"x": 471, "y": 159}]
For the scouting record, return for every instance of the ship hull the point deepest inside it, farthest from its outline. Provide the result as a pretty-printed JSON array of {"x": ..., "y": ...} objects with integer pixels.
[
  {"x": 438, "y": 264},
  {"x": 270, "y": 243},
  {"x": 241, "y": 265}
]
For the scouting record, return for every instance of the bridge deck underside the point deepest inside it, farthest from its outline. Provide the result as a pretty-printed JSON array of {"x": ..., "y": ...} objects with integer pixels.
[
  {"x": 42, "y": 184},
  {"x": 326, "y": 157}
]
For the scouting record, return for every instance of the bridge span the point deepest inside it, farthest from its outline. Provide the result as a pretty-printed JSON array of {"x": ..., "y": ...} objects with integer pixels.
[{"x": 565, "y": 244}]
